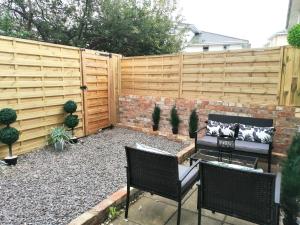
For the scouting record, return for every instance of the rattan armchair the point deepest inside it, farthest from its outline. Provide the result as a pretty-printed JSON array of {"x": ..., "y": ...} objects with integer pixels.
[
  {"x": 247, "y": 195},
  {"x": 159, "y": 174}
]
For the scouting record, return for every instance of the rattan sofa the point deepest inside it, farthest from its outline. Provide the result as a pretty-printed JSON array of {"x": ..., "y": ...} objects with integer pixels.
[
  {"x": 241, "y": 147},
  {"x": 250, "y": 196},
  {"x": 159, "y": 174}
]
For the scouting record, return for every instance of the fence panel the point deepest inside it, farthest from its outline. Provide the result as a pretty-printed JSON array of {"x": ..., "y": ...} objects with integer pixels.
[
  {"x": 96, "y": 76},
  {"x": 290, "y": 77},
  {"x": 36, "y": 79},
  {"x": 245, "y": 76}
]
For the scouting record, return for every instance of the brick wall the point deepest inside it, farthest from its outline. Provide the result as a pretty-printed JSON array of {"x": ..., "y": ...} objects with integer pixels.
[{"x": 136, "y": 111}]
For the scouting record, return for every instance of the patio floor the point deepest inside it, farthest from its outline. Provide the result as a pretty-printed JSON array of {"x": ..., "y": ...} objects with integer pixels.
[{"x": 155, "y": 210}]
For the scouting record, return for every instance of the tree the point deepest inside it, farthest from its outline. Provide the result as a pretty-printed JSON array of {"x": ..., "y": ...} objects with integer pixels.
[{"x": 128, "y": 27}]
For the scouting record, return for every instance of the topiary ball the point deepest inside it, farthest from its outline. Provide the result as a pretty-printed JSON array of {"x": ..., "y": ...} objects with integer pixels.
[
  {"x": 70, "y": 106},
  {"x": 9, "y": 135},
  {"x": 7, "y": 116},
  {"x": 71, "y": 121},
  {"x": 294, "y": 36}
]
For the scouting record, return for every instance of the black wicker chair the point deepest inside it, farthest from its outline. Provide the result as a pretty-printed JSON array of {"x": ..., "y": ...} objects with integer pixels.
[
  {"x": 159, "y": 174},
  {"x": 241, "y": 147},
  {"x": 250, "y": 196}
]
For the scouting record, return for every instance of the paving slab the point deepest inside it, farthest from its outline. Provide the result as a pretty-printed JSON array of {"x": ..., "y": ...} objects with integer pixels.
[
  {"x": 191, "y": 218},
  {"x": 147, "y": 211}
]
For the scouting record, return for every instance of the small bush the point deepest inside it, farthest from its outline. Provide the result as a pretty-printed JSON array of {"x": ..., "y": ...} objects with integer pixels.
[
  {"x": 294, "y": 36},
  {"x": 290, "y": 193},
  {"x": 193, "y": 122},
  {"x": 174, "y": 120},
  {"x": 156, "y": 115},
  {"x": 9, "y": 135},
  {"x": 70, "y": 106},
  {"x": 71, "y": 121},
  {"x": 7, "y": 116},
  {"x": 59, "y": 134}
]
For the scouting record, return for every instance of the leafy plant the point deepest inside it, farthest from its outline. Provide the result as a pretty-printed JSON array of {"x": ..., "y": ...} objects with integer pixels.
[
  {"x": 59, "y": 134},
  {"x": 174, "y": 120},
  {"x": 113, "y": 212},
  {"x": 156, "y": 115},
  {"x": 193, "y": 121},
  {"x": 294, "y": 36},
  {"x": 8, "y": 135},
  {"x": 290, "y": 193}
]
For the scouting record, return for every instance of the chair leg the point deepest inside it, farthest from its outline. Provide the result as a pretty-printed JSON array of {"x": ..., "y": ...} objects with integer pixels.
[
  {"x": 269, "y": 162},
  {"x": 199, "y": 216},
  {"x": 179, "y": 213},
  {"x": 127, "y": 201}
]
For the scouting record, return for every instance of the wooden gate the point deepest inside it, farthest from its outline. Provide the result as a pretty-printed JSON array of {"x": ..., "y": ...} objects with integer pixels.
[{"x": 96, "y": 82}]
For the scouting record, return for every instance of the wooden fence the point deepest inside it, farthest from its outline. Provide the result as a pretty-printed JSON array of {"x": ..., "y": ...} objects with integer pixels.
[
  {"x": 246, "y": 76},
  {"x": 37, "y": 78}
]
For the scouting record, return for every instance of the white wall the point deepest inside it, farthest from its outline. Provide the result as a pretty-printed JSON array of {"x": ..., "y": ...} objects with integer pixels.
[
  {"x": 199, "y": 48},
  {"x": 278, "y": 40}
]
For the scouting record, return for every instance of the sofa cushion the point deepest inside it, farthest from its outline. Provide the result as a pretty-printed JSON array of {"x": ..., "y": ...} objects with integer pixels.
[
  {"x": 151, "y": 149},
  {"x": 189, "y": 179},
  {"x": 207, "y": 141},
  {"x": 253, "y": 147},
  {"x": 256, "y": 134},
  {"x": 234, "y": 166},
  {"x": 213, "y": 128}
]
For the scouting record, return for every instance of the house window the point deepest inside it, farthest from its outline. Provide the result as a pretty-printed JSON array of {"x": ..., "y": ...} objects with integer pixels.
[
  {"x": 225, "y": 47},
  {"x": 205, "y": 48}
]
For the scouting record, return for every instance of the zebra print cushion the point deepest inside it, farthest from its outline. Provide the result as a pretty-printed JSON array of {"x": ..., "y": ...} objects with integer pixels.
[
  {"x": 256, "y": 134},
  {"x": 215, "y": 128}
]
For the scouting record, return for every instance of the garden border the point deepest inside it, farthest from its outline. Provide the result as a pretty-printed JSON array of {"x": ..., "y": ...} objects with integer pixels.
[{"x": 99, "y": 213}]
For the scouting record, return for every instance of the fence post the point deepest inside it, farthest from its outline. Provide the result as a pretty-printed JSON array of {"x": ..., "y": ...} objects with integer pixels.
[
  {"x": 281, "y": 78},
  {"x": 180, "y": 63}
]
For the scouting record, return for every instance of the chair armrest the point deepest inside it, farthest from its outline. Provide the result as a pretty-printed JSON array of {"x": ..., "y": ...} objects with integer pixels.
[
  {"x": 277, "y": 188},
  {"x": 190, "y": 169},
  {"x": 201, "y": 128}
]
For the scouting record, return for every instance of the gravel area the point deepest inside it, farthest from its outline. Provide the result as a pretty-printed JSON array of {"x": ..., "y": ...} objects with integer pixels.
[{"x": 50, "y": 187}]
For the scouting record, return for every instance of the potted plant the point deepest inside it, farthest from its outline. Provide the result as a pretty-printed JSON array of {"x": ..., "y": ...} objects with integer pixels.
[
  {"x": 9, "y": 135},
  {"x": 71, "y": 121},
  {"x": 290, "y": 185},
  {"x": 193, "y": 124},
  {"x": 156, "y": 117},
  {"x": 59, "y": 137},
  {"x": 174, "y": 120}
]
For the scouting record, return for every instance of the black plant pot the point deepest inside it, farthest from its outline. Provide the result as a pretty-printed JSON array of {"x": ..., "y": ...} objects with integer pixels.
[
  {"x": 74, "y": 140},
  {"x": 11, "y": 161},
  {"x": 192, "y": 134},
  {"x": 155, "y": 127},
  {"x": 175, "y": 130}
]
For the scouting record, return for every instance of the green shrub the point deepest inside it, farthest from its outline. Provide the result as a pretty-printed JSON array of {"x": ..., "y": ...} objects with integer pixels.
[
  {"x": 70, "y": 106},
  {"x": 174, "y": 120},
  {"x": 71, "y": 121},
  {"x": 290, "y": 192},
  {"x": 193, "y": 122},
  {"x": 7, "y": 116},
  {"x": 294, "y": 36},
  {"x": 9, "y": 135},
  {"x": 156, "y": 115},
  {"x": 59, "y": 134}
]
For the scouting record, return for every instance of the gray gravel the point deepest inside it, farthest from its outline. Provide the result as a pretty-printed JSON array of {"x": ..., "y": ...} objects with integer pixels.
[{"x": 49, "y": 187}]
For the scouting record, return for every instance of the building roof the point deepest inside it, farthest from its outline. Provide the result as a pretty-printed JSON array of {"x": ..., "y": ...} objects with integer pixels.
[{"x": 208, "y": 38}]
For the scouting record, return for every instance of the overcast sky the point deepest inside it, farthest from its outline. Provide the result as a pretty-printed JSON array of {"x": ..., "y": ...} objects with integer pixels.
[{"x": 254, "y": 20}]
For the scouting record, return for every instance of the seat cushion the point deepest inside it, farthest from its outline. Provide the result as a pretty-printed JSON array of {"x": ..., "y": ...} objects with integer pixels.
[
  {"x": 208, "y": 141},
  {"x": 253, "y": 147},
  {"x": 189, "y": 180}
]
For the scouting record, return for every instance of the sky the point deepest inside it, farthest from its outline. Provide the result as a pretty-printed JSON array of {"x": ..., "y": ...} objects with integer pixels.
[{"x": 254, "y": 20}]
